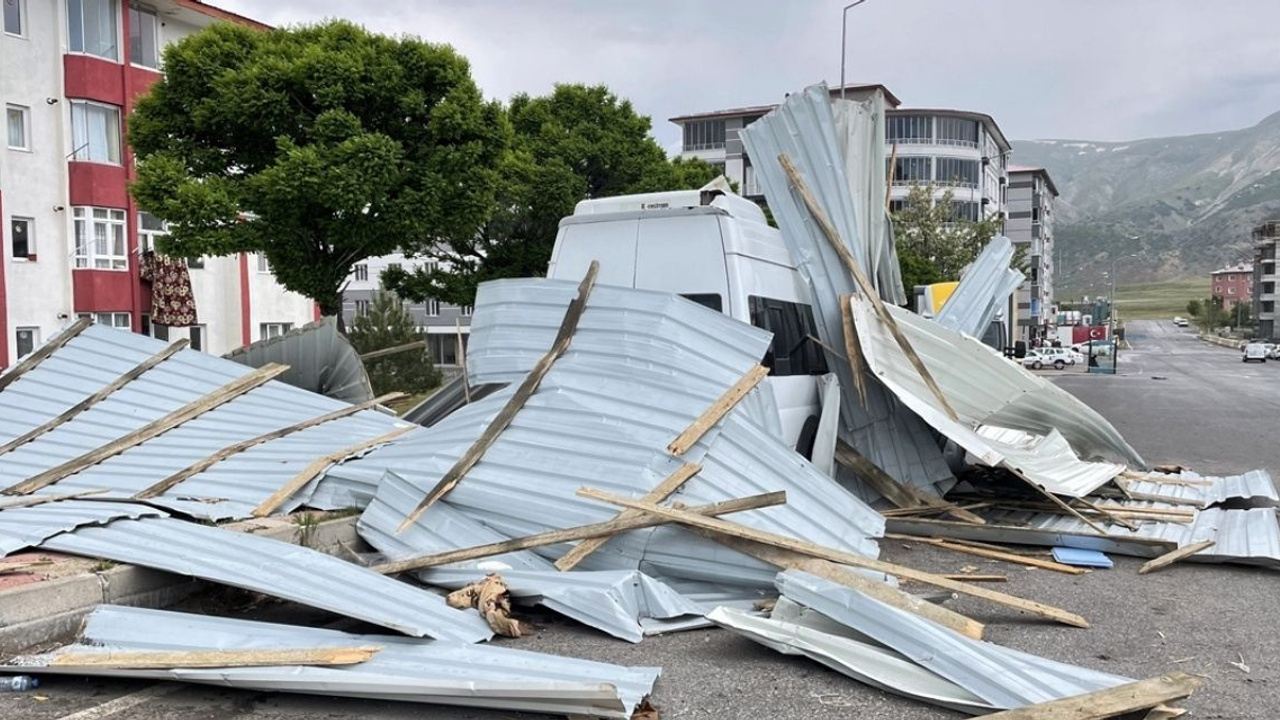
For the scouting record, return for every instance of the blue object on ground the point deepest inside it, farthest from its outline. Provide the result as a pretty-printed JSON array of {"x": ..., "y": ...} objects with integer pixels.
[{"x": 1081, "y": 558}]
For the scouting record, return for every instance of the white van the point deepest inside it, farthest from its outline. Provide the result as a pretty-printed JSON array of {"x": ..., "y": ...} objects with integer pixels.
[{"x": 718, "y": 250}]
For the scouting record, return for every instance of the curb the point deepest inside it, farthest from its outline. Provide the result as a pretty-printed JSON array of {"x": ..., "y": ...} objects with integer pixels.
[{"x": 42, "y": 612}]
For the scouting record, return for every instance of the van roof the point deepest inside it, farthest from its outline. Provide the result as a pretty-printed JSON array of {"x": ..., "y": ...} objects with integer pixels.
[{"x": 732, "y": 205}]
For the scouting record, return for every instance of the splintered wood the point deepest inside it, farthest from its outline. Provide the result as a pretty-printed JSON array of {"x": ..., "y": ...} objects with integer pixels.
[
  {"x": 1109, "y": 703},
  {"x": 492, "y": 598},
  {"x": 164, "y": 660}
]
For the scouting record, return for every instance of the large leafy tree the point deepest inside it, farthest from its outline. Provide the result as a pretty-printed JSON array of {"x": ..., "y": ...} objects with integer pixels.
[
  {"x": 578, "y": 142},
  {"x": 317, "y": 146},
  {"x": 930, "y": 236}
]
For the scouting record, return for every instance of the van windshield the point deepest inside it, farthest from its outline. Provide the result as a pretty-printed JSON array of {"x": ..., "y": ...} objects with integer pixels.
[{"x": 793, "y": 351}]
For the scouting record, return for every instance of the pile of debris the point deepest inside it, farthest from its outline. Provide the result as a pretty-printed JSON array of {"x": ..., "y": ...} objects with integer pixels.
[{"x": 630, "y": 475}]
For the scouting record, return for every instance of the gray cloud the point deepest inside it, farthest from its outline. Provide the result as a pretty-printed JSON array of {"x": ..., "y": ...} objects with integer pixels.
[{"x": 1092, "y": 69}]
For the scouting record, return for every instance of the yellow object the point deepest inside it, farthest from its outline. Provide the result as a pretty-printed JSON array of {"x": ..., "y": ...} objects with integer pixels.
[{"x": 941, "y": 293}]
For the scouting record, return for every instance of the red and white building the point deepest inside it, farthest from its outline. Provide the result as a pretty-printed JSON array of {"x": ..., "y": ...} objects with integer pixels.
[
  {"x": 70, "y": 71},
  {"x": 1233, "y": 284}
]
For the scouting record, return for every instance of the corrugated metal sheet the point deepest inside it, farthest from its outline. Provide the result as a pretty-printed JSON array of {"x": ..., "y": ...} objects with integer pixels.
[
  {"x": 229, "y": 489},
  {"x": 882, "y": 429},
  {"x": 983, "y": 291},
  {"x": 1252, "y": 488},
  {"x": 1002, "y": 677},
  {"x": 29, "y": 526},
  {"x": 408, "y": 670},
  {"x": 983, "y": 387},
  {"x": 275, "y": 568},
  {"x": 320, "y": 360},
  {"x": 1049, "y": 461},
  {"x": 642, "y": 366}
]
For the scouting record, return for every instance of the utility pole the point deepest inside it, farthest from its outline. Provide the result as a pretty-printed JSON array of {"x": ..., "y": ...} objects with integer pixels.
[{"x": 844, "y": 27}]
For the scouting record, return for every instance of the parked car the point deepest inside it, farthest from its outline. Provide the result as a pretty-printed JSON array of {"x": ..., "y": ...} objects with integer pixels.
[
  {"x": 1180, "y": 321},
  {"x": 1255, "y": 351},
  {"x": 1058, "y": 358},
  {"x": 1100, "y": 348}
]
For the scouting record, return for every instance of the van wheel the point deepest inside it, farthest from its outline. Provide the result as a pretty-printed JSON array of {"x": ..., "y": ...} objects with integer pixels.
[
  {"x": 808, "y": 434},
  {"x": 1059, "y": 364},
  {"x": 1036, "y": 365}
]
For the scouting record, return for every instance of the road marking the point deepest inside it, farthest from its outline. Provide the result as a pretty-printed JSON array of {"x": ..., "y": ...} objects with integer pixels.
[{"x": 125, "y": 702}]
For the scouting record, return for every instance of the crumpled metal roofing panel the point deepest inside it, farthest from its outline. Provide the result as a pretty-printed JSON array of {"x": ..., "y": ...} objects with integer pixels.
[
  {"x": 1001, "y": 676},
  {"x": 275, "y": 568},
  {"x": 983, "y": 290},
  {"x": 22, "y": 527},
  {"x": 320, "y": 360},
  {"x": 983, "y": 387},
  {"x": 405, "y": 669},
  {"x": 1049, "y": 461},
  {"x": 228, "y": 489},
  {"x": 1254, "y": 487},
  {"x": 882, "y": 428}
]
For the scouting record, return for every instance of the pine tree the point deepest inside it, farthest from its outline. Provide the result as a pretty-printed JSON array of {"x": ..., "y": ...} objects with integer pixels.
[{"x": 387, "y": 324}]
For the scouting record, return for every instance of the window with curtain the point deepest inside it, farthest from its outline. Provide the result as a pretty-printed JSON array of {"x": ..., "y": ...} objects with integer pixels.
[
  {"x": 100, "y": 239},
  {"x": 958, "y": 172},
  {"x": 13, "y": 17},
  {"x": 143, "y": 47},
  {"x": 908, "y": 170},
  {"x": 16, "y": 122},
  {"x": 95, "y": 131},
  {"x": 91, "y": 28}
]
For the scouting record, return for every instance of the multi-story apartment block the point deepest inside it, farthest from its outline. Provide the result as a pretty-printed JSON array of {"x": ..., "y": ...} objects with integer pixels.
[
  {"x": 441, "y": 322},
  {"x": 70, "y": 71},
  {"x": 1265, "y": 238},
  {"x": 1031, "y": 194},
  {"x": 1232, "y": 284}
]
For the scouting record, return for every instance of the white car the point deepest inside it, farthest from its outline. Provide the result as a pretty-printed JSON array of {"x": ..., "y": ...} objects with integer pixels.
[
  {"x": 1058, "y": 358},
  {"x": 1180, "y": 321},
  {"x": 1255, "y": 351}
]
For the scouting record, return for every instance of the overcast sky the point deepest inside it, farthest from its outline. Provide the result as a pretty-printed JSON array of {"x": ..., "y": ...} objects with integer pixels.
[{"x": 1080, "y": 69}]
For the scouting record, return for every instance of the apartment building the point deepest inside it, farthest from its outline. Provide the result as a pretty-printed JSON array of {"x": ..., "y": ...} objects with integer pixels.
[
  {"x": 1232, "y": 284},
  {"x": 441, "y": 322},
  {"x": 1265, "y": 238},
  {"x": 72, "y": 236},
  {"x": 1030, "y": 199}
]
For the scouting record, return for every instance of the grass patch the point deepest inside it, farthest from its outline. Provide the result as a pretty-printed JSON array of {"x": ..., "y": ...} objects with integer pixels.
[{"x": 1164, "y": 299}]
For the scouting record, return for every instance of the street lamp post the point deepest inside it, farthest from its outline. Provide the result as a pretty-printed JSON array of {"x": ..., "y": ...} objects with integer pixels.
[
  {"x": 1111, "y": 319},
  {"x": 844, "y": 27}
]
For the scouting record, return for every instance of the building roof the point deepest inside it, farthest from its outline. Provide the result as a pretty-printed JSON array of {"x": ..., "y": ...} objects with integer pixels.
[
  {"x": 1242, "y": 266},
  {"x": 1036, "y": 171},
  {"x": 983, "y": 118},
  {"x": 889, "y": 97},
  {"x": 217, "y": 13}
]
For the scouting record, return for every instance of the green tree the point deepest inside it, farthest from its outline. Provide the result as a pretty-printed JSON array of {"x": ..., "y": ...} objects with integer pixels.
[
  {"x": 1241, "y": 315},
  {"x": 317, "y": 146},
  {"x": 387, "y": 324},
  {"x": 927, "y": 230},
  {"x": 579, "y": 142},
  {"x": 1193, "y": 307}
]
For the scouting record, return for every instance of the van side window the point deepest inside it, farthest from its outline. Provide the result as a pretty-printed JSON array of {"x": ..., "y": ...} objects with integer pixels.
[
  {"x": 710, "y": 300},
  {"x": 793, "y": 351}
]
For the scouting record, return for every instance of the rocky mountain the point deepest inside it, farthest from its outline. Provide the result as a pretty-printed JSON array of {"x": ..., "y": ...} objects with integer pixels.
[{"x": 1192, "y": 200}]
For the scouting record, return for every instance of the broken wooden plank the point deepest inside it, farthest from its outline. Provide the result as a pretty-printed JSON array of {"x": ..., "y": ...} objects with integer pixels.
[
  {"x": 672, "y": 483},
  {"x": 838, "y": 573},
  {"x": 1118, "y": 520},
  {"x": 1109, "y": 703},
  {"x": 853, "y": 349},
  {"x": 190, "y": 411},
  {"x": 839, "y": 556},
  {"x": 998, "y": 555},
  {"x": 29, "y": 363},
  {"x": 717, "y": 410},
  {"x": 976, "y": 577},
  {"x": 583, "y": 532},
  {"x": 900, "y": 494},
  {"x": 1185, "y": 551},
  {"x": 864, "y": 284},
  {"x": 317, "y": 466},
  {"x": 931, "y": 509},
  {"x": 384, "y": 352},
  {"x": 169, "y": 659},
  {"x": 96, "y": 397},
  {"x": 500, "y": 422},
  {"x": 1059, "y": 502},
  {"x": 8, "y": 503},
  {"x": 200, "y": 466}
]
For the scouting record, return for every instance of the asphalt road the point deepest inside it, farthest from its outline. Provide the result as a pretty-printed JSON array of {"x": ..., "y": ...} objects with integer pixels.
[{"x": 1211, "y": 412}]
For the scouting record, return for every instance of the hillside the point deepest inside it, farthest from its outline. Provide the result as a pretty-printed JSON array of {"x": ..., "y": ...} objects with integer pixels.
[{"x": 1193, "y": 200}]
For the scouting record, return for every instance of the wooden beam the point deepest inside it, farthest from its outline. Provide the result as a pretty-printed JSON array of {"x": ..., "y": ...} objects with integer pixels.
[
  {"x": 1059, "y": 502},
  {"x": 583, "y": 532},
  {"x": 190, "y": 411},
  {"x": 853, "y": 348},
  {"x": 168, "y": 659},
  {"x": 843, "y": 575},
  {"x": 166, "y": 484},
  {"x": 97, "y": 397},
  {"x": 1006, "y": 557},
  {"x": 1185, "y": 551},
  {"x": 317, "y": 466},
  {"x": 839, "y": 556},
  {"x": 717, "y": 410},
  {"x": 462, "y": 360},
  {"x": 10, "y": 503},
  {"x": 664, "y": 489},
  {"x": 864, "y": 284},
  {"x": 503, "y": 419},
  {"x": 900, "y": 494},
  {"x": 1107, "y": 514},
  {"x": 1109, "y": 703},
  {"x": 962, "y": 577},
  {"x": 374, "y": 354},
  {"x": 28, "y": 363}
]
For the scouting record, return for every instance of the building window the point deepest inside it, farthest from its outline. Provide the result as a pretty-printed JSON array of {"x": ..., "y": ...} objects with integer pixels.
[
  {"x": 263, "y": 265},
  {"x": 91, "y": 28},
  {"x": 22, "y": 237},
  {"x": 465, "y": 310},
  {"x": 151, "y": 230},
  {"x": 197, "y": 337},
  {"x": 958, "y": 131},
  {"x": 17, "y": 120},
  {"x": 1231, "y": 291},
  {"x": 13, "y": 17},
  {"x": 95, "y": 132},
  {"x": 361, "y": 272},
  {"x": 362, "y": 308},
  {"x": 964, "y": 210},
  {"x": 25, "y": 338},
  {"x": 957, "y": 172},
  {"x": 908, "y": 170},
  {"x": 160, "y": 331},
  {"x": 100, "y": 239},
  {"x": 270, "y": 330},
  {"x": 704, "y": 134},
  {"x": 142, "y": 37},
  {"x": 909, "y": 129},
  {"x": 121, "y": 320},
  {"x": 433, "y": 308}
]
